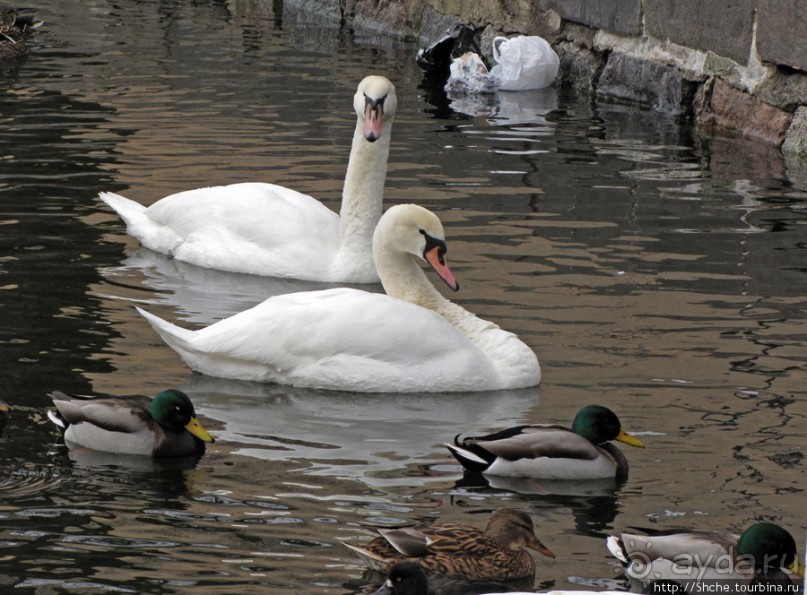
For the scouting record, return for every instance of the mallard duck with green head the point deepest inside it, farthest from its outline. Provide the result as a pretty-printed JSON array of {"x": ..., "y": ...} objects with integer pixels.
[
  {"x": 161, "y": 426},
  {"x": 760, "y": 554},
  {"x": 497, "y": 552},
  {"x": 550, "y": 451}
]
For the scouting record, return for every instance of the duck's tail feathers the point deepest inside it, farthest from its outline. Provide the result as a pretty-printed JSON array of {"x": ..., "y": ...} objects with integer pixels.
[
  {"x": 366, "y": 556},
  {"x": 614, "y": 545},
  {"x": 57, "y": 419},
  {"x": 467, "y": 459}
]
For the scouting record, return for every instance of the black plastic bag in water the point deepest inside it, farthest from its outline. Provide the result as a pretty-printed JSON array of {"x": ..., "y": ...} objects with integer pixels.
[{"x": 455, "y": 41}]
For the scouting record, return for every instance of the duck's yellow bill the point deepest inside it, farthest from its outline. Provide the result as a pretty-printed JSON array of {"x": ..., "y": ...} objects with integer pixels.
[
  {"x": 797, "y": 567},
  {"x": 628, "y": 439},
  {"x": 195, "y": 428}
]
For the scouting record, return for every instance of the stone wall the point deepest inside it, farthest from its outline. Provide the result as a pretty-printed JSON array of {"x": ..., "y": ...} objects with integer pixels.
[{"x": 739, "y": 65}]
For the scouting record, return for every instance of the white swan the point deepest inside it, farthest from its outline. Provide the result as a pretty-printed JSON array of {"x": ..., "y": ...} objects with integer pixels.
[
  {"x": 270, "y": 230},
  {"x": 410, "y": 340}
]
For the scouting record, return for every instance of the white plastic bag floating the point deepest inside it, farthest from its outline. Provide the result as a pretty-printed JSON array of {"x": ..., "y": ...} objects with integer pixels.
[
  {"x": 469, "y": 75},
  {"x": 524, "y": 62}
]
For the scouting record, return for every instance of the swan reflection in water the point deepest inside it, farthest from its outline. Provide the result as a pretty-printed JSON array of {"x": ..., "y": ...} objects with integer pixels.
[
  {"x": 203, "y": 296},
  {"x": 369, "y": 438}
]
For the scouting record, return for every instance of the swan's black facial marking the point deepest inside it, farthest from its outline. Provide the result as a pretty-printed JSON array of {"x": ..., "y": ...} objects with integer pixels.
[
  {"x": 431, "y": 244},
  {"x": 373, "y": 116},
  {"x": 376, "y": 105}
]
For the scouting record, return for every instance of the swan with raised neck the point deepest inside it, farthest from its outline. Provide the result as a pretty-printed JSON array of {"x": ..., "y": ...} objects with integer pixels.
[{"x": 266, "y": 229}]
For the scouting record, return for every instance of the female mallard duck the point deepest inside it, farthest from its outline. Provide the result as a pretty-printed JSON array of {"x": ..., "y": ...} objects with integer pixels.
[
  {"x": 495, "y": 553},
  {"x": 408, "y": 578},
  {"x": 160, "y": 426},
  {"x": 760, "y": 553},
  {"x": 15, "y": 26},
  {"x": 551, "y": 452}
]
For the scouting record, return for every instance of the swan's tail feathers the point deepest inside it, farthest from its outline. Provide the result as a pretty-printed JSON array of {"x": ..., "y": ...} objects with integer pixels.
[
  {"x": 176, "y": 337},
  {"x": 152, "y": 234},
  {"x": 614, "y": 545},
  {"x": 126, "y": 208},
  {"x": 467, "y": 459},
  {"x": 371, "y": 559}
]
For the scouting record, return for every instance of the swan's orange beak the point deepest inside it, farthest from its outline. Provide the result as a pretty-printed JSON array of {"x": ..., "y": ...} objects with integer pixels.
[
  {"x": 435, "y": 258},
  {"x": 373, "y": 115}
]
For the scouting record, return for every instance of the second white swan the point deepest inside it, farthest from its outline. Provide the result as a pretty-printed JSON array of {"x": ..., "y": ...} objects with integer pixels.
[
  {"x": 410, "y": 340},
  {"x": 265, "y": 229}
]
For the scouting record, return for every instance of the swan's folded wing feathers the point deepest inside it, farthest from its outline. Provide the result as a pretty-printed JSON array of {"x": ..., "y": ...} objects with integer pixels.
[
  {"x": 326, "y": 328},
  {"x": 266, "y": 226}
]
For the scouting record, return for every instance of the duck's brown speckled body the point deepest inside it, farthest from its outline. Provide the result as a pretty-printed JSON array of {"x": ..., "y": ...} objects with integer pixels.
[
  {"x": 15, "y": 28},
  {"x": 497, "y": 552}
]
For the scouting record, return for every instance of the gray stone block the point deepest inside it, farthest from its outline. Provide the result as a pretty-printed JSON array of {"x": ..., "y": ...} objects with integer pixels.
[
  {"x": 795, "y": 144},
  {"x": 724, "y": 27},
  {"x": 785, "y": 90},
  {"x": 580, "y": 68},
  {"x": 618, "y": 16},
  {"x": 782, "y": 32},
  {"x": 662, "y": 87}
]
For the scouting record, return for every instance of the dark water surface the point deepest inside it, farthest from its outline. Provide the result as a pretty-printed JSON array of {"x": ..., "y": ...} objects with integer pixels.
[{"x": 653, "y": 269}]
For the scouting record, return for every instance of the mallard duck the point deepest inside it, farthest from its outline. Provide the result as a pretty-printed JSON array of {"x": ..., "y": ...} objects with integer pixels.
[
  {"x": 265, "y": 229},
  {"x": 760, "y": 553},
  {"x": 161, "y": 426},
  {"x": 15, "y": 25},
  {"x": 408, "y": 578},
  {"x": 495, "y": 553},
  {"x": 549, "y": 451},
  {"x": 410, "y": 340}
]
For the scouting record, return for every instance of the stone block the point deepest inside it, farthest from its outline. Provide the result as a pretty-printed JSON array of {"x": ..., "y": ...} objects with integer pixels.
[
  {"x": 736, "y": 110},
  {"x": 580, "y": 67},
  {"x": 644, "y": 81},
  {"x": 785, "y": 90},
  {"x": 433, "y": 24},
  {"x": 782, "y": 32},
  {"x": 618, "y": 16},
  {"x": 724, "y": 27},
  {"x": 795, "y": 144}
]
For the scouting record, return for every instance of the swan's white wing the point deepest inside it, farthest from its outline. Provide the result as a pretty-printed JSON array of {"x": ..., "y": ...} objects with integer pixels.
[
  {"x": 341, "y": 339},
  {"x": 255, "y": 228},
  {"x": 252, "y": 228}
]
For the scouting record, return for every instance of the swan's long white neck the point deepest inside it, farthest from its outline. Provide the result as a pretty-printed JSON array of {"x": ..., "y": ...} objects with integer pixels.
[
  {"x": 403, "y": 278},
  {"x": 363, "y": 194}
]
